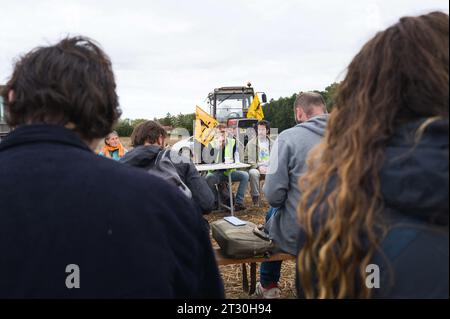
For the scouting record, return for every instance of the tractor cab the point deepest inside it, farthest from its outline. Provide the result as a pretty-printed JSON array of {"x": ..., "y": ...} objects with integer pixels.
[
  {"x": 229, "y": 105},
  {"x": 231, "y": 102}
]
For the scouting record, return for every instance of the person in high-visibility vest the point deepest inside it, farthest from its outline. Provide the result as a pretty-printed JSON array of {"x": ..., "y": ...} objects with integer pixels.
[{"x": 223, "y": 150}]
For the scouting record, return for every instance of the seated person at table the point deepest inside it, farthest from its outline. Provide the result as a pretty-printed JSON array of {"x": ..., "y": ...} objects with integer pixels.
[
  {"x": 148, "y": 140},
  {"x": 223, "y": 150},
  {"x": 232, "y": 133},
  {"x": 113, "y": 148},
  {"x": 258, "y": 150}
]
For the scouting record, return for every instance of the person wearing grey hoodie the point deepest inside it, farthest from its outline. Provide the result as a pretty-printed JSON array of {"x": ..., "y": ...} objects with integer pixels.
[{"x": 287, "y": 164}]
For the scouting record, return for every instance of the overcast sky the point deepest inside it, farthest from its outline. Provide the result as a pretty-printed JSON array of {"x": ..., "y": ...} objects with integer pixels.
[{"x": 167, "y": 55}]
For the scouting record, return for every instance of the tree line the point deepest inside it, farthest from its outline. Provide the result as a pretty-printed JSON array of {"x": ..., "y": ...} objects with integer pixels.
[
  {"x": 278, "y": 112},
  {"x": 126, "y": 126}
]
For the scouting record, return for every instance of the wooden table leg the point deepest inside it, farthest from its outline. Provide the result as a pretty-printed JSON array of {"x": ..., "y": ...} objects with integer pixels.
[
  {"x": 244, "y": 278},
  {"x": 252, "y": 279}
]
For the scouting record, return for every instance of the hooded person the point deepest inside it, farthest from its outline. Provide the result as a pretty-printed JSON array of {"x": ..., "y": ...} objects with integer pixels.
[
  {"x": 148, "y": 139},
  {"x": 287, "y": 163}
]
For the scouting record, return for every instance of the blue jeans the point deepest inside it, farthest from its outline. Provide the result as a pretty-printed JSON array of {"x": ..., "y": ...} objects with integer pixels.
[
  {"x": 269, "y": 272},
  {"x": 237, "y": 176}
]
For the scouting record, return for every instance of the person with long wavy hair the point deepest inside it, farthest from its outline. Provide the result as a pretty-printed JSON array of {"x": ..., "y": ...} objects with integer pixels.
[{"x": 374, "y": 209}]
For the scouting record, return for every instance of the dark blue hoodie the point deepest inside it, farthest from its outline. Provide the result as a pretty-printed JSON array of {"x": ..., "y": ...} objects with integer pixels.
[
  {"x": 414, "y": 257},
  {"x": 144, "y": 156}
]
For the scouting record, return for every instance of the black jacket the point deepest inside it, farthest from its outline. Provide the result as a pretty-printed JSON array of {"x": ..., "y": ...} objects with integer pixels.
[
  {"x": 131, "y": 234},
  {"x": 415, "y": 187},
  {"x": 145, "y": 156}
]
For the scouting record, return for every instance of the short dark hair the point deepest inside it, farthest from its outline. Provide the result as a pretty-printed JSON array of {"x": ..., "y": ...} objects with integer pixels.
[
  {"x": 69, "y": 82},
  {"x": 308, "y": 101},
  {"x": 265, "y": 123},
  {"x": 148, "y": 131}
]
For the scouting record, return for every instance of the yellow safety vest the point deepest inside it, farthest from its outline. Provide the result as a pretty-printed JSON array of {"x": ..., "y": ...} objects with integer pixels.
[{"x": 229, "y": 146}]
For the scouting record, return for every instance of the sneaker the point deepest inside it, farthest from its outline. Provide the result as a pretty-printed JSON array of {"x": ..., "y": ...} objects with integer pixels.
[
  {"x": 239, "y": 207},
  {"x": 268, "y": 293},
  {"x": 255, "y": 200}
]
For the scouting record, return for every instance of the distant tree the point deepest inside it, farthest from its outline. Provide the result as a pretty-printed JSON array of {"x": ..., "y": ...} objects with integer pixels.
[
  {"x": 280, "y": 112},
  {"x": 136, "y": 122},
  {"x": 185, "y": 121},
  {"x": 329, "y": 95},
  {"x": 124, "y": 127},
  {"x": 167, "y": 121}
]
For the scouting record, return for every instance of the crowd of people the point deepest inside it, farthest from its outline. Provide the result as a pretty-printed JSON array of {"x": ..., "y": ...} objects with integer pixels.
[{"x": 364, "y": 185}]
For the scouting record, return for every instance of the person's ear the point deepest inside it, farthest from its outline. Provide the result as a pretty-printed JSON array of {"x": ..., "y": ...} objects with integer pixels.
[
  {"x": 298, "y": 114},
  {"x": 161, "y": 141},
  {"x": 11, "y": 95}
]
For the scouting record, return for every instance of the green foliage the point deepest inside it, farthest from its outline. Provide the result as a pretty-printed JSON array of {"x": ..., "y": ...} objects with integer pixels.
[
  {"x": 166, "y": 121},
  {"x": 136, "y": 122},
  {"x": 185, "y": 121},
  {"x": 124, "y": 127},
  {"x": 280, "y": 113},
  {"x": 329, "y": 95}
]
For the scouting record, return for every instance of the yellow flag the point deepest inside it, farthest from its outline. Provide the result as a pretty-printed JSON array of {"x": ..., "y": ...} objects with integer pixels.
[
  {"x": 255, "y": 110},
  {"x": 204, "y": 125}
]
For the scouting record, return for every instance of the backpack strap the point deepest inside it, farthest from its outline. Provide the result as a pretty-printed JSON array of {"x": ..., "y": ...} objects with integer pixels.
[{"x": 160, "y": 155}]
